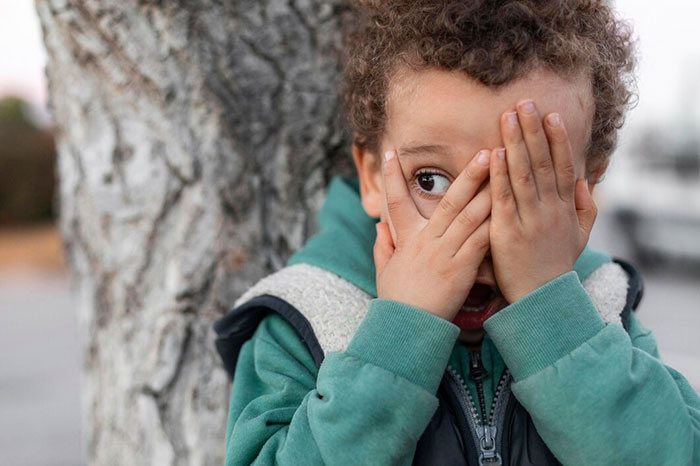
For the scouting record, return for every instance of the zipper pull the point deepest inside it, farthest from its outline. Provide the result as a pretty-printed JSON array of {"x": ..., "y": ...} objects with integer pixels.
[
  {"x": 487, "y": 443},
  {"x": 477, "y": 371}
]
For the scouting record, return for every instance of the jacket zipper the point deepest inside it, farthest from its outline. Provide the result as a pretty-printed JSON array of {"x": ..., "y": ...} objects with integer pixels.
[{"x": 485, "y": 432}]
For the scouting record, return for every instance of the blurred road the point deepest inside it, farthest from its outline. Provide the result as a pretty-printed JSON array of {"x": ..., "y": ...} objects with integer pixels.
[
  {"x": 39, "y": 372},
  {"x": 40, "y": 369}
]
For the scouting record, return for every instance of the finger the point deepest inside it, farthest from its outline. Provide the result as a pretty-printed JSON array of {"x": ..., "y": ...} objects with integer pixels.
[
  {"x": 502, "y": 200},
  {"x": 538, "y": 149},
  {"x": 383, "y": 247},
  {"x": 586, "y": 210},
  {"x": 400, "y": 206},
  {"x": 521, "y": 179},
  {"x": 458, "y": 195},
  {"x": 468, "y": 220},
  {"x": 474, "y": 249},
  {"x": 562, "y": 156}
]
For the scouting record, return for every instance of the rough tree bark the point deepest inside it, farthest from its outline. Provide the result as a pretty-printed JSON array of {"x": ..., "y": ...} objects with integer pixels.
[{"x": 196, "y": 139}]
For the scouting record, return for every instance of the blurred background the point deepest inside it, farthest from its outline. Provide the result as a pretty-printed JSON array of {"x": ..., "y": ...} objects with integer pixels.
[{"x": 649, "y": 207}]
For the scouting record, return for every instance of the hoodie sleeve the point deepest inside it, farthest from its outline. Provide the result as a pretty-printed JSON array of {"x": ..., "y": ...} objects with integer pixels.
[
  {"x": 597, "y": 395},
  {"x": 367, "y": 405}
]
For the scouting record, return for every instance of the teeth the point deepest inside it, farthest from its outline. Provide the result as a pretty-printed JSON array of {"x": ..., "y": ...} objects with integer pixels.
[
  {"x": 470, "y": 309},
  {"x": 473, "y": 309},
  {"x": 476, "y": 308}
]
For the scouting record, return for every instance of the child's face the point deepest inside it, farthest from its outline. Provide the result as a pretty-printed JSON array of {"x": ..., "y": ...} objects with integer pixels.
[{"x": 438, "y": 120}]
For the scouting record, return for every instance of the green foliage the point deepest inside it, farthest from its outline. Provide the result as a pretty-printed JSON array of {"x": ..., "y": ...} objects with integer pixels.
[
  {"x": 27, "y": 166},
  {"x": 14, "y": 111}
]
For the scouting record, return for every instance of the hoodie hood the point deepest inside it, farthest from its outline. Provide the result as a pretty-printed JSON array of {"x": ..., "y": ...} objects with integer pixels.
[{"x": 344, "y": 243}]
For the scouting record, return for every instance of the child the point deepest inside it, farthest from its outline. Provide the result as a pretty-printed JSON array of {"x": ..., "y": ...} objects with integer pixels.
[{"x": 474, "y": 325}]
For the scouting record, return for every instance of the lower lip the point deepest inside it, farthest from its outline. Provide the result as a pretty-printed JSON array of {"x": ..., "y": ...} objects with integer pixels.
[{"x": 475, "y": 320}]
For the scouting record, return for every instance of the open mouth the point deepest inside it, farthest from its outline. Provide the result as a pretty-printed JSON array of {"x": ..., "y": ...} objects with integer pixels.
[
  {"x": 479, "y": 297},
  {"x": 483, "y": 302}
]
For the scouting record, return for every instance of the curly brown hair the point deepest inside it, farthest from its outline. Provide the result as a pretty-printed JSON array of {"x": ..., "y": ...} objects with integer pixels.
[{"x": 494, "y": 42}]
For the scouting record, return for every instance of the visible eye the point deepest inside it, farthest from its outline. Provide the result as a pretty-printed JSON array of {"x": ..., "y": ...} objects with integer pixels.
[{"x": 428, "y": 183}]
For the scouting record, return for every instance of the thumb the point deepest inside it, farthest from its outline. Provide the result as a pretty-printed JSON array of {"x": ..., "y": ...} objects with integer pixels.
[
  {"x": 586, "y": 209},
  {"x": 383, "y": 247}
]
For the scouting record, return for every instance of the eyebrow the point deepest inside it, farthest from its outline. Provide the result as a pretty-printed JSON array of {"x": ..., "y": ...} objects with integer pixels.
[{"x": 427, "y": 149}]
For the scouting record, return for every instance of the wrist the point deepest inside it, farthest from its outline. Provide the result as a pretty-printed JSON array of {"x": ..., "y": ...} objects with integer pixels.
[
  {"x": 418, "y": 303},
  {"x": 534, "y": 282}
]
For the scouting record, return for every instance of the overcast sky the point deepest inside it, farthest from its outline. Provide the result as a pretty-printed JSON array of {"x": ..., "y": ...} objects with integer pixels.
[
  {"x": 669, "y": 73},
  {"x": 22, "y": 55}
]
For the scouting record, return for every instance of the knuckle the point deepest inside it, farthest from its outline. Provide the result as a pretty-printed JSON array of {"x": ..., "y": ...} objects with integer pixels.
[
  {"x": 447, "y": 205},
  {"x": 514, "y": 233},
  {"x": 532, "y": 128},
  {"x": 470, "y": 172},
  {"x": 445, "y": 274},
  {"x": 424, "y": 240},
  {"x": 514, "y": 137},
  {"x": 503, "y": 195},
  {"x": 567, "y": 170},
  {"x": 559, "y": 136},
  {"x": 393, "y": 202},
  {"x": 523, "y": 178},
  {"x": 474, "y": 174},
  {"x": 480, "y": 242},
  {"x": 543, "y": 165},
  {"x": 466, "y": 218}
]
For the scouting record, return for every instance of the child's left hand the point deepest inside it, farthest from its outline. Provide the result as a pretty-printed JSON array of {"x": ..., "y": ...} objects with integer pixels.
[{"x": 542, "y": 215}]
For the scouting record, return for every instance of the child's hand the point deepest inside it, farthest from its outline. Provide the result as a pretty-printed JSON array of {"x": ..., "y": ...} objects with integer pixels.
[
  {"x": 434, "y": 262},
  {"x": 542, "y": 216}
]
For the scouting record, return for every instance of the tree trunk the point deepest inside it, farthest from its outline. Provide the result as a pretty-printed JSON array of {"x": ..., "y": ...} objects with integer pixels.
[{"x": 195, "y": 141}]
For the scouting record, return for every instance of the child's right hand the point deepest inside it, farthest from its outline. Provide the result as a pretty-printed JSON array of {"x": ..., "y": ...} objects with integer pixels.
[{"x": 433, "y": 263}]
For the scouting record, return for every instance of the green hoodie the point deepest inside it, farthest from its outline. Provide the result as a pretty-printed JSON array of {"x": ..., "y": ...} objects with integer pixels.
[{"x": 596, "y": 394}]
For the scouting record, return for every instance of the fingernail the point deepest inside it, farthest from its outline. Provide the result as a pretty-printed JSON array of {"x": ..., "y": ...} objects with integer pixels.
[
  {"x": 388, "y": 155},
  {"x": 553, "y": 119},
  {"x": 528, "y": 106},
  {"x": 512, "y": 118},
  {"x": 501, "y": 154},
  {"x": 483, "y": 157}
]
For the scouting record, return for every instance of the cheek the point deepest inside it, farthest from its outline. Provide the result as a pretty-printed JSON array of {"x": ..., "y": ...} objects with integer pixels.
[
  {"x": 579, "y": 154},
  {"x": 425, "y": 207},
  {"x": 580, "y": 167}
]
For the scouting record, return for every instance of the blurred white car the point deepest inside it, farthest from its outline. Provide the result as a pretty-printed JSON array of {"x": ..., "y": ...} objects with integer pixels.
[{"x": 654, "y": 197}]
